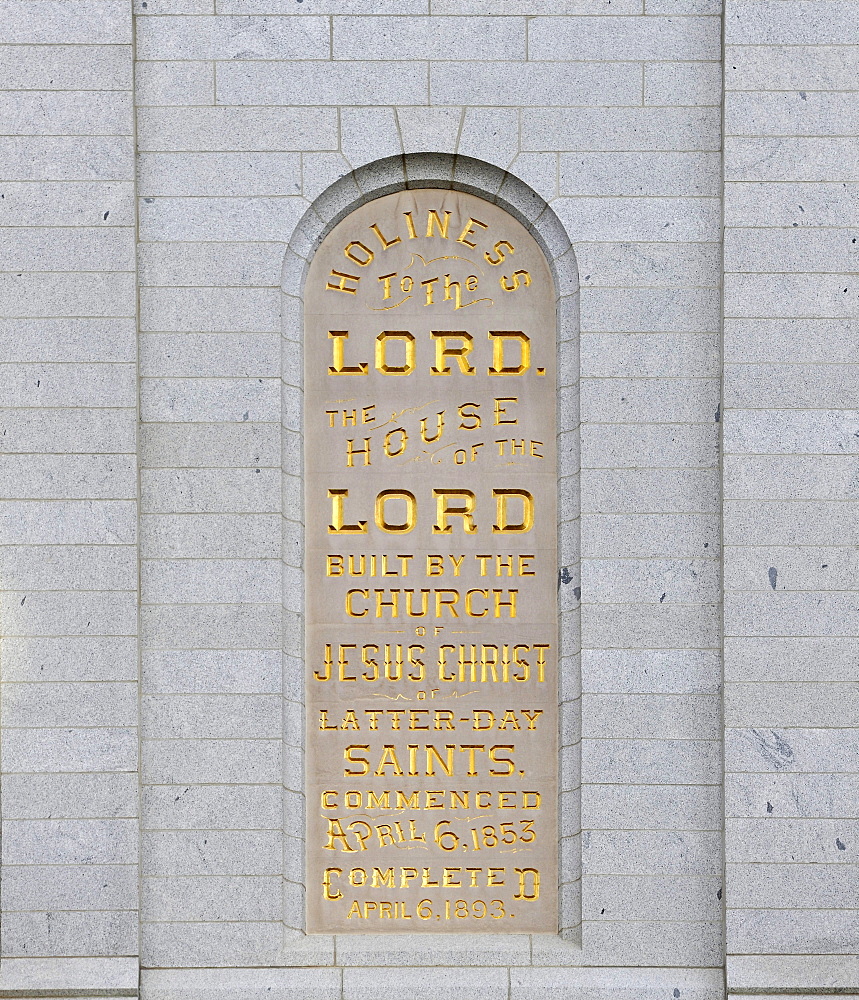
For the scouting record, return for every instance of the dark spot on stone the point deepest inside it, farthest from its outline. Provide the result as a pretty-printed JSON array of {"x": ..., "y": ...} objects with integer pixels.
[
  {"x": 564, "y": 576},
  {"x": 719, "y": 894},
  {"x": 772, "y": 573},
  {"x": 245, "y": 415},
  {"x": 718, "y": 412},
  {"x": 839, "y": 845},
  {"x": 256, "y": 470},
  {"x": 774, "y": 748},
  {"x": 661, "y": 599},
  {"x": 602, "y": 911},
  {"x": 149, "y": 201},
  {"x": 577, "y": 593},
  {"x": 106, "y": 214},
  {"x": 801, "y": 209},
  {"x": 676, "y": 993},
  {"x": 825, "y": 566},
  {"x": 769, "y": 807},
  {"x": 24, "y": 598},
  {"x": 706, "y": 545},
  {"x": 803, "y": 95}
]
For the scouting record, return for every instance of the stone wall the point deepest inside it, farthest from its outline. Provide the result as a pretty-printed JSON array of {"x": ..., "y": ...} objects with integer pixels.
[
  {"x": 68, "y": 519},
  {"x": 257, "y": 124},
  {"x": 790, "y": 441}
]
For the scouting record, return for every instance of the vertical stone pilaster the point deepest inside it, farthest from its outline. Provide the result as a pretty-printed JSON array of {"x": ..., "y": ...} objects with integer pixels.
[
  {"x": 790, "y": 513},
  {"x": 68, "y": 518}
]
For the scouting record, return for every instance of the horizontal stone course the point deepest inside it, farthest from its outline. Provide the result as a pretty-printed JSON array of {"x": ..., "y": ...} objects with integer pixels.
[
  {"x": 48, "y": 22},
  {"x": 228, "y": 37}
]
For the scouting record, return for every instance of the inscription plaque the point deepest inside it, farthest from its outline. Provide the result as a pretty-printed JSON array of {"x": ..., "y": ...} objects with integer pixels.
[{"x": 431, "y": 568}]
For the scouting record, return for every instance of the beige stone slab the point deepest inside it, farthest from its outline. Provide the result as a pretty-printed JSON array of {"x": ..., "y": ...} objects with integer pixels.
[{"x": 431, "y": 482}]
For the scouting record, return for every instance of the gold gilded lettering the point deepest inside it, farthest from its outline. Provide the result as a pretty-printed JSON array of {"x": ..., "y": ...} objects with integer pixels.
[
  {"x": 434, "y": 222},
  {"x": 503, "y": 526},
  {"x": 408, "y": 365},
  {"x": 471, "y": 414},
  {"x": 514, "y": 282},
  {"x": 443, "y": 352},
  {"x": 499, "y": 252},
  {"x": 386, "y": 244},
  {"x": 386, "y": 279},
  {"x": 469, "y": 231},
  {"x": 337, "y": 836},
  {"x": 426, "y": 882},
  {"x": 495, "y": 757},
  {"x": 380, "y": 878},
  {"x": 352, "y": 452},
  {"x": 439, "y": 428},
  {"x": 435, "y": 565},
  {"x": 411, "y": 515},
  {"x": 327, "y": 660},
  {"x": 446, "y": 509},
  {"x": 337, "y": 525},
  {"x": 363, "y": 257},
  {"x": 414, "y": 716},
  {"x": 410, "y": 225},
  {"x": 323, "y": 721},
  {"x": 429, "y": 285},
  {"x": 372, "y": 663},
  {"x": 388, "y": 759},
  {"x": 499, "y": 338},
  {"x": 469, "y": 608},
  {"x": 501, "y": 411},
  {"x": 390, "y": 448},
  {"x": 523, "y": 874},
  {"x": 338, "y": 361},
  {"x": 349, "y": 754},
  {"x": 350, "y": 607},
  {"x": 450, "y": 877},
  {"x": 446, "y": 599},
  {"x": 341, "y": 285},
  {"x": 429, "y": 464},
  {"x": 470, "y": 749},
  {"x": 326, "y": 883},
  {"x": 433, "y": 755},
  {"x": 532, "y": 717},
  {"x": 393, "y": 605}
]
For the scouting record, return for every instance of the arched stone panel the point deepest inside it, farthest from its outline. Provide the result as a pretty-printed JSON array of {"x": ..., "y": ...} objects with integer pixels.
[{"x": 508, "y": 192}]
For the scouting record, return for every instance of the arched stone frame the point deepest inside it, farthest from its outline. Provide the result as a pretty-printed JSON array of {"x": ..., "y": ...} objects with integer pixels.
[{"x": 362, "y": 185}]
